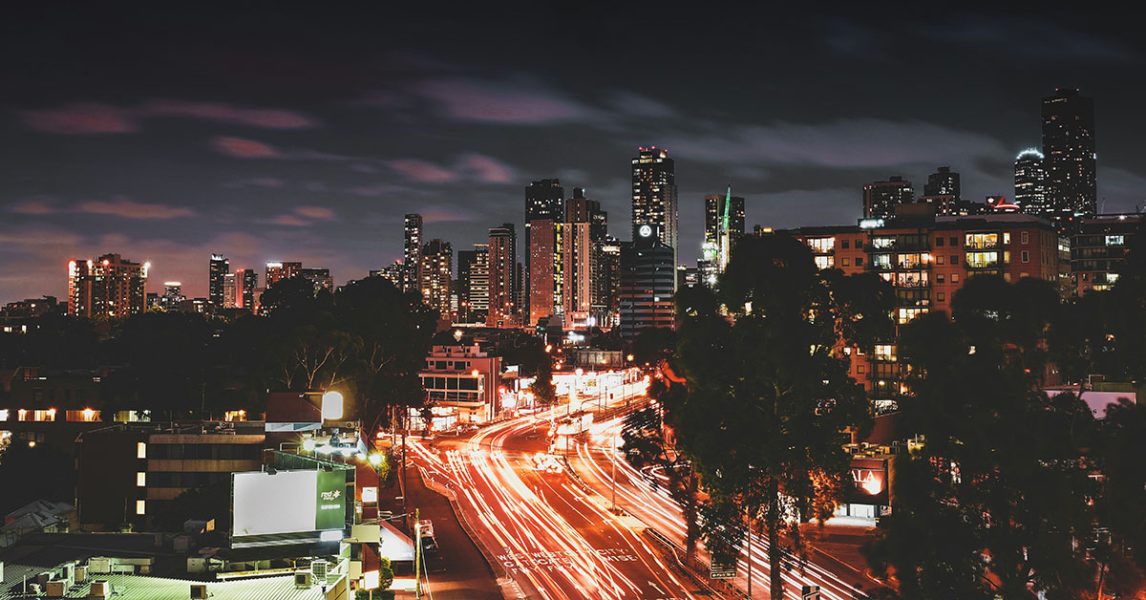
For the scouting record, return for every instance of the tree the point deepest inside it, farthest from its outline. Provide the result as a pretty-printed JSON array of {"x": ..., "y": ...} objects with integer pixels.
[
  {"x": 542, "y": 385},
  {"x": 1122, "y": 443},
  {"x": 993, "y": 500},
  {"x": 769, "y": 399}
]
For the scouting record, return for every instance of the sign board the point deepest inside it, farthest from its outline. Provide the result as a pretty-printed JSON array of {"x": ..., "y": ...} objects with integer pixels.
[
  {"x": 722, "y": 571},
  {"x": 330, "y": 496},
  {"x": 868, "y": 482},
  {"x": 810, "y": 592}
]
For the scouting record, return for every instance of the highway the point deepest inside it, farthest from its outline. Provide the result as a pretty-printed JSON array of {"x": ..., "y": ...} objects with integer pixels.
[
  {"x": 652, "y": 505},
  {"x": 552, "y": 538}
]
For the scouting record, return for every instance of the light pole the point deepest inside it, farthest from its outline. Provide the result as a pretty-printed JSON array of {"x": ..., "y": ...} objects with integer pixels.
[{"x": 613, "y": 454}]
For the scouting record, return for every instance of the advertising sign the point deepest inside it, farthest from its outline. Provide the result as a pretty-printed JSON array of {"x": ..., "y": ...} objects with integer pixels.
[
  {"x": 868, "y": 482},
  {"x": 266, "y": 504},
  {"x": 330, "y": 500}
]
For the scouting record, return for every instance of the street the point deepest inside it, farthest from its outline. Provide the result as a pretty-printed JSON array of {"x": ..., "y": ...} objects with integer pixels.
[{"x": 539, "y": 529}]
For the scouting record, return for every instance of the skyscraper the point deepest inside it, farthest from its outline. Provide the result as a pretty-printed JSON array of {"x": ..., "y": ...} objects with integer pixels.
[
  {"x": 543, "y": 289},
  {"x": 246, "y": 280},
  {"x": 607, "y": 283},
  {"x": 943, "y": 182},
  {"x": 577, "y": 264},
  {"x": 648, "y": 282},
  {"x": 1070, "y": 160},
  {"x": 219, "y": 268},
  {"x": 319, "y": 277},
  {"x": 502, "y": 275},
  {"x": 172, "y": 295},
  {"x": 654, "y": 194},
  {"x": 881, "y": 197},
  {"x": 230, "y": 288},
  {"x": 477, "y": 285},
  {"x": 436, "y": 273},
  {"x": 108, "y": 287},
  {"x": 717, "y": 248},
  {"x": 412, "y": 252},
  {"x": 1031, "y": 183},
  {"x": 544, "y": 200},
  {"x": 277, "y": 271}
]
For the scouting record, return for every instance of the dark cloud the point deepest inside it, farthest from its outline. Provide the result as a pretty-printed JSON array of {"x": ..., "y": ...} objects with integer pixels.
[{"x": 170, "y": 133}]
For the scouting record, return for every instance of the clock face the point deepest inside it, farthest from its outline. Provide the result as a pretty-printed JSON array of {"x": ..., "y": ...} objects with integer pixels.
[{"x": 645, "y": 231}]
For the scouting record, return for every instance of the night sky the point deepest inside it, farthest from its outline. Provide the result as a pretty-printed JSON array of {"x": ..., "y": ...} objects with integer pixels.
[{"x": 265, "y": 132}]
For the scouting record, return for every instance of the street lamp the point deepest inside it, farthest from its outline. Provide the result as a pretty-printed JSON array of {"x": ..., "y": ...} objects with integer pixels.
[{"x": 331, "y": 406}]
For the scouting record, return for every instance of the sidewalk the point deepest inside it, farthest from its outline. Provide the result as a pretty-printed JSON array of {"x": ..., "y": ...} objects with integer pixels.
[{"x": 458, "y": 571}]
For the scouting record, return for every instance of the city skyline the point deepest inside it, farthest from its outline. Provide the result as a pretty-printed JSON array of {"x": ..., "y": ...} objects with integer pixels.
[{"x": 319, "y": 164}]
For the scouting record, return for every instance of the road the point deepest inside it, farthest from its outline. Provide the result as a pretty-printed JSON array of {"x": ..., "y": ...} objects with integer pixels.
[
  {"x": 542, "y": 531},
  {"x": 651, "y": 505}
]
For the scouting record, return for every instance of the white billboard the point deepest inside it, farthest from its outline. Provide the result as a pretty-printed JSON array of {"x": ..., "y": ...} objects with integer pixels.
[{"x": 264, "y": 504}]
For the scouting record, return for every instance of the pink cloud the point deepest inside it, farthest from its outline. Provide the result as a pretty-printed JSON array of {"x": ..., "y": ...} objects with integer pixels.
[
  {"x": 243, "y": 148},
  {"x": 130, "y": 209},
  {"x": 501, "y": 102},
  {"x": 487, "y": 169},
  {"x": 445, "y": 215},
  {"x": 92, "y": 118},
  {"x": 315, "y": 212},
  {"x": 77, "y": 119},
  {"x": 268, "y": 118},
  {"x": 34, "y": 206},
  {"x": 289, "y": 220},
  {"x": 423, "y": 171}
]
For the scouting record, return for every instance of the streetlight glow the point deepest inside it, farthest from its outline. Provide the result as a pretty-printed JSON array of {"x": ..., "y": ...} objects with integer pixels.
[{"x": 331, "y": 406}]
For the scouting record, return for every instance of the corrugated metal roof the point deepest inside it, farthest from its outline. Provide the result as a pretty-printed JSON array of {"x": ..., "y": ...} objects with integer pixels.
[{"x": 138, "y": 587}]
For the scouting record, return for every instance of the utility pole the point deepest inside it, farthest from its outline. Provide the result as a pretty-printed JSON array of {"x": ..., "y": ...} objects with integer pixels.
[
  {"x": 405, "y": 415},
  {"x": 750, "y": 556},
  {"x": 417, "y": 554}
]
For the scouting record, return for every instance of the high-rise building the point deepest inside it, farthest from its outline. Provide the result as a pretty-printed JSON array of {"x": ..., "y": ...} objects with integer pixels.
[
  {"x": 220, "y": 266},
  {"x": 607, "y": 283},
  {"x": 1070, "y": 159},
  {"x": 543, "y": 289},
  {"x": 1030, "y": 183},
  {"x": 319, "y": 277},
  {"x": 576, "y": 255},
  {"x": 395, "y": 273},
  {"x": 943, "y": 182},
  {"x": 230, "y": 290},
  {"x": 107, "y": 287},
  {"x": 412, "y": 252},
  {"x": 502, "y": 274},
  {"x": 277, "y": 271},
  {"x": 654, "y": 194},
  {"x": 477, "y": 285},
  {"x": 544, "y": 200},
  {"x": 473, "y": 284},
  {"x": 881, "y": 197},
  {"x": 436, "y": 272},
  {"x": 172, "y": 295},
  {"x": 648, "y": 282},
  {"x": 717, "y": 248},
  {"x": 246, "y": 281}
]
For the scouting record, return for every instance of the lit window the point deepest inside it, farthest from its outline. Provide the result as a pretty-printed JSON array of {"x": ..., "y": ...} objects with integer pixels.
[
  {"x": 141, "y": 449},
  {"x": 885, "y": 352},
  {"x": 140, "y": 479},
  {"x": 141, "y": 507},
  {"x": 1115, "y": 240},
  {"x": 954, "y": 278}
]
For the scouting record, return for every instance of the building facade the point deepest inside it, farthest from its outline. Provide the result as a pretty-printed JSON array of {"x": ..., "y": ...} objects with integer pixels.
[
  {"x": 219, "y": 268},
  {"x": 1030, "y": 184},
  {"x": 654, "y": 195},
  {"x": 412, "y": 252},
  {"x": 461, "y": 383},
  {"x": 927, "y": 260},
  {"x": 502, "y": 276},
  {"x": 880, "y": 198},
  {"x": 1098, "y": 248},
  {"x": 1070, "y": 159},
  {"x": 278, "y": 271},
  {"x": 544, "y": 201},
  {"x": 943, "y": 182},
  {"x": 648, "y": 282},
  {"x": 436, "y": 271},
  {"x": 107, "y": 287},
  {"x": 720, "y": 234}
]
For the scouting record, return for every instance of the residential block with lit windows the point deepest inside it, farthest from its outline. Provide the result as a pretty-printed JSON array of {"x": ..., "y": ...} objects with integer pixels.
[{"x": 927, "y": 259}]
